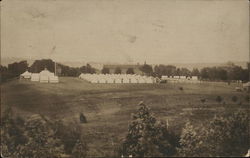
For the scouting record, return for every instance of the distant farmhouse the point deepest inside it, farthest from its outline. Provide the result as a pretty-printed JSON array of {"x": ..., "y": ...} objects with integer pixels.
[{"x": 124, "y": 68}]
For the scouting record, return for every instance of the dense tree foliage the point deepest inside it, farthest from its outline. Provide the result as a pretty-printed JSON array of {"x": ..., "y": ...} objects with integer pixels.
[
  {"x": 17, "y": 68},
  {"x": 5, "y": 74},
  {"x": 13, "y": 70},
  {"x": 130, "y": 71},
  {"x": 39, "y": 137},
  {"x": 87, "y": 69},
  {"x": 226, "y": 135},
  {"x": 195, "y": 72},
  {"x": 170, "y": 70},
  {"x": 40, "y": 65},
  {"x": 147, "y": 69},
  {"x": 164, "y": 70},
  {"x": 148, "y": 137},
  {"x": 231, "y": 72}
]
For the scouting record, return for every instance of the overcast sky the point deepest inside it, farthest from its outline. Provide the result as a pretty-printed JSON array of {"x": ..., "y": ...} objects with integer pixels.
[{"x": 156, "y": 31}]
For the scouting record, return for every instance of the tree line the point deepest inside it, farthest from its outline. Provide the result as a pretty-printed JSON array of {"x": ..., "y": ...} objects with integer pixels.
[
  {"x": 13, "y": 70},
  {"x": 219, "y": 73}
]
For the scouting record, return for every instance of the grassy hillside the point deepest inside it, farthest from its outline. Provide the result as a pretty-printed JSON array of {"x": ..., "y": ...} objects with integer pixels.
[{"x": 108, "y": 107}]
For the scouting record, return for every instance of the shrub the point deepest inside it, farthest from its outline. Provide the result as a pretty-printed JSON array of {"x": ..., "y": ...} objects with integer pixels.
[
  {"x": 203, "y": 100},
  {"x": 181, "y": 88},
  {"x": 148, "y": 137},
  {"x": 80, "y": 149},
  {"x": 219, "y": 99},
  {"x": 38, "y": 137},
  {"x": 247, "y": 98},
  {"x": 223, "y": 136},
  {"x": 69, "y": 134},
  {"x": 234, "y": 98}
]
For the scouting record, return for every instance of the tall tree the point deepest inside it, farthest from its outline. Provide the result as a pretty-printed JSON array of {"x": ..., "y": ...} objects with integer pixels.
[
  {"x": 195, "y": 72},
  {"x": 146, "y": 137},
  {"x": 147, "y": 69},
  {"x": 40, "y": 65},
  {"x": 17, "y": 68}
]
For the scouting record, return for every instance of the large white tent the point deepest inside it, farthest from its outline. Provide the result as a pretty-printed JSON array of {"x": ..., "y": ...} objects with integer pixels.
[
  {"x": 35, "y": 77},
  {"x": 46, "y": 76},
  {"x": 25, "y": 75}
]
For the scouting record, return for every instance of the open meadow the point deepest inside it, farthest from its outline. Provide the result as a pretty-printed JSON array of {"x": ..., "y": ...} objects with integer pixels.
[{"x": 108, "y": 107}]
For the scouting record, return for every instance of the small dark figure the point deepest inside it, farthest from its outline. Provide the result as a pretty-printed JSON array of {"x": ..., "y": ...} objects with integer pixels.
[
  {"x": 181, "y": 88},
  {"x": 83, "y": 118}
]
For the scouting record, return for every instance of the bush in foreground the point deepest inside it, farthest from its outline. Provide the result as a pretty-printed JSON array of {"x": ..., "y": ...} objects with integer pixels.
[
  {"x": 148, "y": 137},
  {"x": 223, "y": 136},
  {"x": 39, "y": 137}
]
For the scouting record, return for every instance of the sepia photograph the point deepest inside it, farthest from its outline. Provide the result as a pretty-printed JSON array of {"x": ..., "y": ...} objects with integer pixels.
[{"x": 124, "y": 78}]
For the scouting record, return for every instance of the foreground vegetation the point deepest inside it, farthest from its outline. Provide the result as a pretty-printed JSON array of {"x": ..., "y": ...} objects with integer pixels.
[{"x": 184, "y": 115}]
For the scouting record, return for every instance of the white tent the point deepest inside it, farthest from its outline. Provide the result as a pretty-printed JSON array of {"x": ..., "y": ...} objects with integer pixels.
[
  {"x": 164, "y": 77},
  {"x": 102, "y": 80},
  {"x": 118, "y": 80},
  {"x": 110, "y": 80},
  {"x": 45, "y": 75},
  {"x": 81, "y": 76},
  {"x": 44, "y": 79},
  {"x": 133, "y": 80},
  {"x": 126, "y": 80},
  {"x": 26, "y": 75},
  {"x": 35, "y": 77},
  {"x": 45, "y": 72},
  {"x": 94, "y": 80},
  {"x": 149, "y": 80},
  {"x": 141, "y": 80},
  {"x": 194, "y": 78},
  {"x": 53, "y": 79}
]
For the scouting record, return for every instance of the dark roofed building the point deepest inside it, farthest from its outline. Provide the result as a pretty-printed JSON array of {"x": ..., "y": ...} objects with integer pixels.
[{"x": 124, "y": 68}]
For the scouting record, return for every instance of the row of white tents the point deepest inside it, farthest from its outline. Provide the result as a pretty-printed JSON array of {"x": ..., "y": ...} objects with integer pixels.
[
  {"x": 117, "y": 78},
  {"x": 181, "y": 79},
  {"x": 44, "y": 76}
]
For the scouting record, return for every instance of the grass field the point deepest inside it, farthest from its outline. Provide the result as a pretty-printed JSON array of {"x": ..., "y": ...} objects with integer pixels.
[{"x": 108, "y": 107}]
